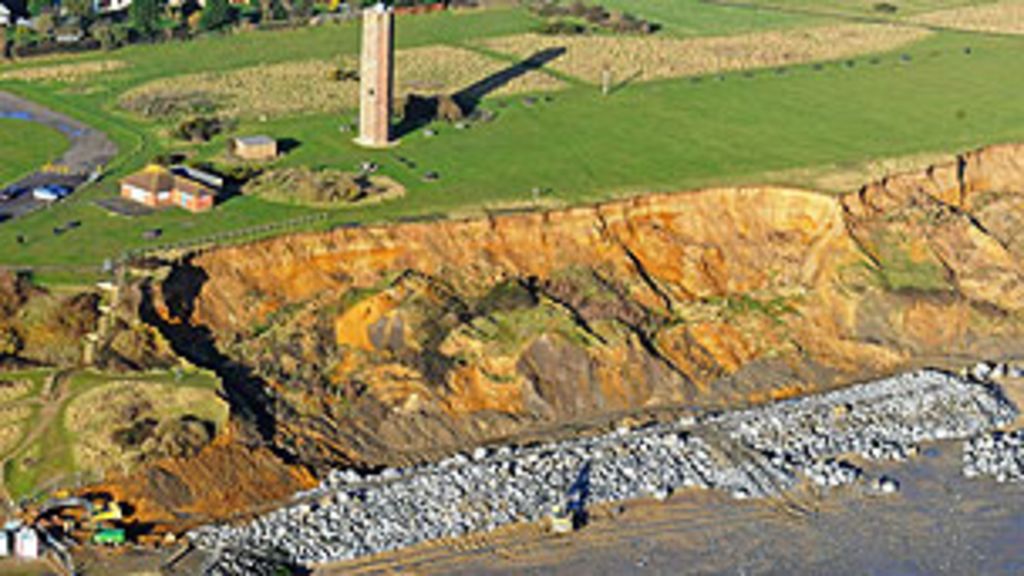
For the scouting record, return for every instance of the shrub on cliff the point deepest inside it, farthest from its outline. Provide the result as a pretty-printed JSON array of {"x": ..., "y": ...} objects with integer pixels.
[
  {"x": 10, "y": 342},
  {"x": 14, "y": 290},
  {"x": 40, "y": 327}
]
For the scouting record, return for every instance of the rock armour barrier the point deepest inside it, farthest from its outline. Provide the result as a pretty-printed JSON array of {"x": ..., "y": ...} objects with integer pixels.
[
  {"x": 998, "y": 455},
  {"x": 753, "y": 453}
]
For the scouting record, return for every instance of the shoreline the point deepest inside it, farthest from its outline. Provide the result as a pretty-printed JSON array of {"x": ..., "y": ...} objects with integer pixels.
[{"x": 755, "y": 453}]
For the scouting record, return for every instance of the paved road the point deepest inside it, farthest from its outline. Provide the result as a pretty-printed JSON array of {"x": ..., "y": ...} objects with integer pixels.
[{"x": 89, "y": 149}]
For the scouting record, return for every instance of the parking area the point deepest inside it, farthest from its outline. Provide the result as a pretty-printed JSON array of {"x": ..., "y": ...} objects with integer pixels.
[{"x": 88, "y": 150}]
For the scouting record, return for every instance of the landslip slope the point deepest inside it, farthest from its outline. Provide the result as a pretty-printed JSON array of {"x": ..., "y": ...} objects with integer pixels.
[{"x": 393, "y": 344}]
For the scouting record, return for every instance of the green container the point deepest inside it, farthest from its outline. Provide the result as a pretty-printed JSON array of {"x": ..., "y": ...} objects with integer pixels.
[{"x": 109, "y": 536}]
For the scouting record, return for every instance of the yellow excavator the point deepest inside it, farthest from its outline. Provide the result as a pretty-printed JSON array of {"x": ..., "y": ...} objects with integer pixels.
[{"x": 97, "y": 520}]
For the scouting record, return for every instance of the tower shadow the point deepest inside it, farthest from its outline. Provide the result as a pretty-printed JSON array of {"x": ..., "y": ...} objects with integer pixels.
[
  {"x": 469, "y": 97},
  {"x": 421, "y": 110}
]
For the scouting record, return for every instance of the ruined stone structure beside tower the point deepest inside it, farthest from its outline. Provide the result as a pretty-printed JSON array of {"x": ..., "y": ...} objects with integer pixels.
[{"x": 376, "y": 76}]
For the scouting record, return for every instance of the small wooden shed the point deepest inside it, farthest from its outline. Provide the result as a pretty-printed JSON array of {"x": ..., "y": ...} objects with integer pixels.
[{"x": 254, "y": 147}]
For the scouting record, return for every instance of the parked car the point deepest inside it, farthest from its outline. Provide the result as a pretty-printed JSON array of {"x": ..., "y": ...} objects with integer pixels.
[
  {"x": 10, "y": 193},
  {"x": 50, "y": 192}
]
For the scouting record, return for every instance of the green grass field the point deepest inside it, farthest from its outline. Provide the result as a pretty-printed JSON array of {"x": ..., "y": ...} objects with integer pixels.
[
  {"x": 697, "y": 18},
  {"x": 579, "y": 147},
  {"x": 24, "y": 146},
  {"x": 859, "y": 7}
]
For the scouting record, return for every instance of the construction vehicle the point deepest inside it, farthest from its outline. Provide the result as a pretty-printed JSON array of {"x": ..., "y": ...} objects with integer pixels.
[
  {"x": 109, "y": 537},
  {"x": 571, "y": 512},
  {"x": 560, "y": 520},
  {"x": 110, "y": 512},
  {"x": 74, "y": 519}
]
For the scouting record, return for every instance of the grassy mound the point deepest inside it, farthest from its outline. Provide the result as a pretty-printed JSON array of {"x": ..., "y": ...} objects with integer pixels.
[{"x": 321, "y": 187}]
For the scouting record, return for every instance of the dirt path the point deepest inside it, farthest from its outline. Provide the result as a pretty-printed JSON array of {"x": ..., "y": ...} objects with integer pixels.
[
  {"x": 52, "y": 397},
  {"x": 89, "y": 149}
]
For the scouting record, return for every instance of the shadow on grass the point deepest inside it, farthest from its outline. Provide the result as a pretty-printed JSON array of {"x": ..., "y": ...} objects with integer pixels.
[
  {"x": 287, "y": 145},
  {"x": 616, "y": 87},
  {"x": 420, "y": 111}
]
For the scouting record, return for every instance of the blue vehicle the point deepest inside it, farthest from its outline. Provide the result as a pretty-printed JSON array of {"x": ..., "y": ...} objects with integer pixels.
[{"x": 50, "y": 192}]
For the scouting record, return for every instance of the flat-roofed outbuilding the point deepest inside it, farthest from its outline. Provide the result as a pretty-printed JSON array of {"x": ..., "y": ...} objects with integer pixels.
[{"x": 254, "y": 147}]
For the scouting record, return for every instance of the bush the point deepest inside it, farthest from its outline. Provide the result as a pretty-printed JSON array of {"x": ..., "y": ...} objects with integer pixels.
[
  {"x": 110, "y": 36},
  {"x": 166, "y": 105},
  {"x": 103, "y": 33},
  {"x": 46, "y": 24},
  {"x": 168, "y": 159},
  {"x": 198, "y": 129},
  {"x": 886, "y": 8},
  {"x": 577, "y": 9},
  {"x": 10, "y": 342},
  {"x": 37, "y": 7},
  {"x": 301, "y": 10},
  {"x": 448, "y": 109},
  {"x": 185, "y": 436},
  {"x": 145, "y": 16},
  {"x": 216, "y": 14},
  {"x": 15, "y": 290},
  {"x": 339, "y": 74},
  {"x": 79, "y": 314},
  {"x": 424, "y": 109},
  {"x": 595, "y": 16},
  {"x": 23, "y": 37},
  {"x": 238, "y": 173},
  {"x": 562, "y": 28},
  {"x": 134, "y": 435}
]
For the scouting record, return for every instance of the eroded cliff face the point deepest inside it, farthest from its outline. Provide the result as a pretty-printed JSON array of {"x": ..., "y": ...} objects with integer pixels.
[{"x": 393, "y": 344}]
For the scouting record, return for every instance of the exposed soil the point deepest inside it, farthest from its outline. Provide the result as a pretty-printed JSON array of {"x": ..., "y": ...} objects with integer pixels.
[{"x": 396, "y": 344}]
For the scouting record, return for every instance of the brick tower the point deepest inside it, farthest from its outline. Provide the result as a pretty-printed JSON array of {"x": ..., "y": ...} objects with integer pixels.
[{"x": 376, "y": 77}]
